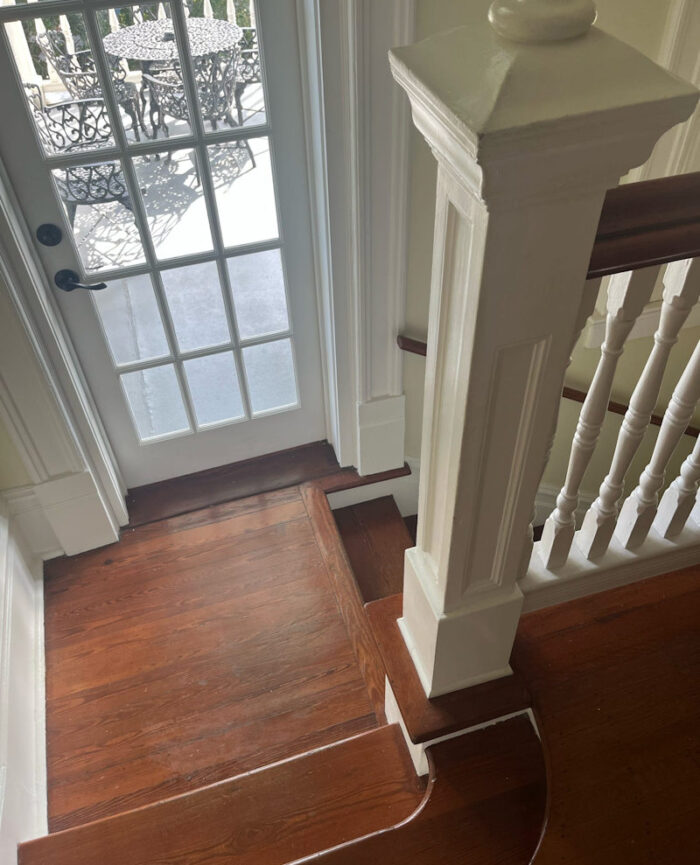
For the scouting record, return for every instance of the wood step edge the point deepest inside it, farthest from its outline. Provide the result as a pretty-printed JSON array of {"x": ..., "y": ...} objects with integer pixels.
[
  {"x": 485, "y": 802},
  {"x": 375, "y": 538},
  {"x": 287, "y": 810},
  {"x": 347, "y": 594},
  {"x": 428, "y": 719}
]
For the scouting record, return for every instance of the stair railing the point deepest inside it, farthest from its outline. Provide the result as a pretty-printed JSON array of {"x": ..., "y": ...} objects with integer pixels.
[{"x": 532, "y": 115}]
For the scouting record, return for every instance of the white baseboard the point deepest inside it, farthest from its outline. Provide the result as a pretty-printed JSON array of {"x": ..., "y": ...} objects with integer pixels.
[
  {"x": 23, "y": 791},
  {"x": 645, "y": 326},
  {"x": 380, "y": 434},
  {"x": 62, "y": 515},
  {"x": 618, "y": 567}
]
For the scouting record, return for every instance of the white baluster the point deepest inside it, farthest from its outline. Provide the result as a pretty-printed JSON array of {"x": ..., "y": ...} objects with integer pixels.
[
  {"x": 682, "y": 287},
  {"x": 161, "y": 12},
  {"x": 252, "y": 14},
  {"x": 679, "y": 499},
  {"x": 64, "y": 26},
  {"x": 627, "y": 294},
  {"x": 639, "y": 509},
  {"x": 113, "y": 20},
  {"x": 20, "y": 48},
  {"x": 231, "y": 11},
  {"x": 208, "y": 11}
]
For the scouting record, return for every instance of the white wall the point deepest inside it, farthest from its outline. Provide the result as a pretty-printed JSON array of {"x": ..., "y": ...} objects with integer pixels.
[{"x": 22, "y": 726}]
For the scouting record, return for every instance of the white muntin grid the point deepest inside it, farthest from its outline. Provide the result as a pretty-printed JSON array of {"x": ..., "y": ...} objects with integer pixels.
[{"x": 125, "y": 150}]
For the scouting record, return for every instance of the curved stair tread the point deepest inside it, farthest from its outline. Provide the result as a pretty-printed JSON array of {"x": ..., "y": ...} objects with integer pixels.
[
  {"x": 270, "y": 816},
  {"x": 485, "y": 805}
]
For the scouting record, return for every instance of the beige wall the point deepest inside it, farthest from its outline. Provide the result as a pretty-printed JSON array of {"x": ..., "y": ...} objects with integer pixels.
[
  {"x": 12, "y": 471},
  {"x": 641, "y": 23}
]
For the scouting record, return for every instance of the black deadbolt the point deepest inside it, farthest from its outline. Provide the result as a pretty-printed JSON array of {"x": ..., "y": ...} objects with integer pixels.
[{"x": 49, "y": 235}]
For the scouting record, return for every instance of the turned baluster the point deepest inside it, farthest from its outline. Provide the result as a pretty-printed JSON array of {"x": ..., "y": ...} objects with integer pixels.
[
  {"x": 627, "y": 294},
  {"x": 679, "y": 499},
  {"x": 64, "y": 27},
  {"x": 208, "y": 11},
  {"x": 682, "y": 287},
  {"x": 639, "y": 509}
]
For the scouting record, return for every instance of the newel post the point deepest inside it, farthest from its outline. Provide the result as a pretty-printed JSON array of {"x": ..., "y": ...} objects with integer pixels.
[{"x": 532, "y": 115}]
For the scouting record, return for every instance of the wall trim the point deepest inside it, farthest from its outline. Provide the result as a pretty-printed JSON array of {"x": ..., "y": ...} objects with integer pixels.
[
  {"x": 23, "y": 789},
  {"x": 358, "y": 158},
  {"x": 678, "y": 151},
  {"x": 645, "y": 326},
  {"x": 61, "y": 433}
]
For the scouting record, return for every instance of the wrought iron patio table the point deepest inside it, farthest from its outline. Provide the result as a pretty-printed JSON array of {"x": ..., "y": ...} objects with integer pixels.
[{"x": 154, "y": 41}]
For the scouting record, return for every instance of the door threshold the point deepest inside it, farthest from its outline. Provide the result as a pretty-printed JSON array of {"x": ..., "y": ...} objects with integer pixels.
[{"x": 263, "y": 474}]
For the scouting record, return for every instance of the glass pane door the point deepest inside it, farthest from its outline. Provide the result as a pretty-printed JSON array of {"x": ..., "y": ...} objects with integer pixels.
[{"x": 166, "y": 141}]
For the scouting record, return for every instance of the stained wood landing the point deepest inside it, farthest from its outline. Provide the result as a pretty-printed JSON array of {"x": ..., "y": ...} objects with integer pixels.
[
  {"x": 196, "y": 648},
  {"x": 276, "y": 815},
  {"x": 615, "y": 680}
]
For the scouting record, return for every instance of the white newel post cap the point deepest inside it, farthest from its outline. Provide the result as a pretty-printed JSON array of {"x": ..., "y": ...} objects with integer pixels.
[
  {"x": 575, "y": 110},
  {"x": 541, "y": 20}
]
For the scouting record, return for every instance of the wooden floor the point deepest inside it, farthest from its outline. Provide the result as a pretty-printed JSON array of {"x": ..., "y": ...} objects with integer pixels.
[
  {"x": 615, "y": 681},
  {"x": 196, "y": 648}
]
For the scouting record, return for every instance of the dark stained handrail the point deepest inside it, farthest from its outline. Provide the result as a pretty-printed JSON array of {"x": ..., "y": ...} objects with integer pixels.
[
  {"x": 648, "y": 223},
  {"x": 417, "y": 346},
  {"x": 641, "y": 224}
]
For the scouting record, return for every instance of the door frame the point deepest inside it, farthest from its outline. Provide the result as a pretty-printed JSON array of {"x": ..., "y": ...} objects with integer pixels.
[{"x": 358, "y": 159}]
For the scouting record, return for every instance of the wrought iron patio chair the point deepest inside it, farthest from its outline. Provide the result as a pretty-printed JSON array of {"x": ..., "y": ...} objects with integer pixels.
[
  {"x": 216, "y": 78},
  {"x": 78, "y": 73},
  {"x": 75, "y": 126}
]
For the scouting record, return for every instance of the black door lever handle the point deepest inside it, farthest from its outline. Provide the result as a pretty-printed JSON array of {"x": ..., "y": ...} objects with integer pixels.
[{"x": 68, "y": 280}]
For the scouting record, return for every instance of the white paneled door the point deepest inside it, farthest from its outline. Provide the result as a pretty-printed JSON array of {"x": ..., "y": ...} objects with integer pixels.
[{"x": 165, "y": 142}]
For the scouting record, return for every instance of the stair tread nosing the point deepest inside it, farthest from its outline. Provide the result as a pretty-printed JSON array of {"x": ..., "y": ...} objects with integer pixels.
[
  {"x": 269, "y": 816},
  {"x": 375, "y": 537}
]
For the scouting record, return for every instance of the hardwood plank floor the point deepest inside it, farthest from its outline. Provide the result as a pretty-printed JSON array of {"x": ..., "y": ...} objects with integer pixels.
[
  {"x": 196, "y": 648},
  {"x": 615, "y": 681}
]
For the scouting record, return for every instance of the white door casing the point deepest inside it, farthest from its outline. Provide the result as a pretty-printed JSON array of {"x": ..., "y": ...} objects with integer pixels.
[{"x": 212, "y": 444}]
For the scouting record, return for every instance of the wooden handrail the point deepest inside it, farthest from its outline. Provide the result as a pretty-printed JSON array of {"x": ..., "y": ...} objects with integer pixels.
[
  {"x": 416, "y": 346},
  {"x": 648, "y": 223}
]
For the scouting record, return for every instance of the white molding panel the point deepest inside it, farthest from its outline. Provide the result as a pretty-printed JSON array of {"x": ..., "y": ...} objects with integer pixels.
[
  {"x": 23, "y": 794},
  {"x": 679, "y": 149},
  {"x": 43, "y": 399},
  {"x": 359, "y": 160}
]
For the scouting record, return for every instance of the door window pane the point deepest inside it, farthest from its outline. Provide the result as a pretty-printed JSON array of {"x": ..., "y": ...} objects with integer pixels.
[
  {"x": 196, "y": 306},
  {"x": 99, "y": 210},
  {"x": 60, "y": 82},
  {"x": 213, "y": 385},
  {"x": 270, "y": 374},
  {"x": 131, "y": 320},
  {"x": 140, "y": 41},
  {"x": 226, "y": 63},
  {"x": 245, "y": 195},
  {"x": 257, "y": 284},
  {"x": 155, "y": 401},
  {"x": 174, "y": 202}
]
